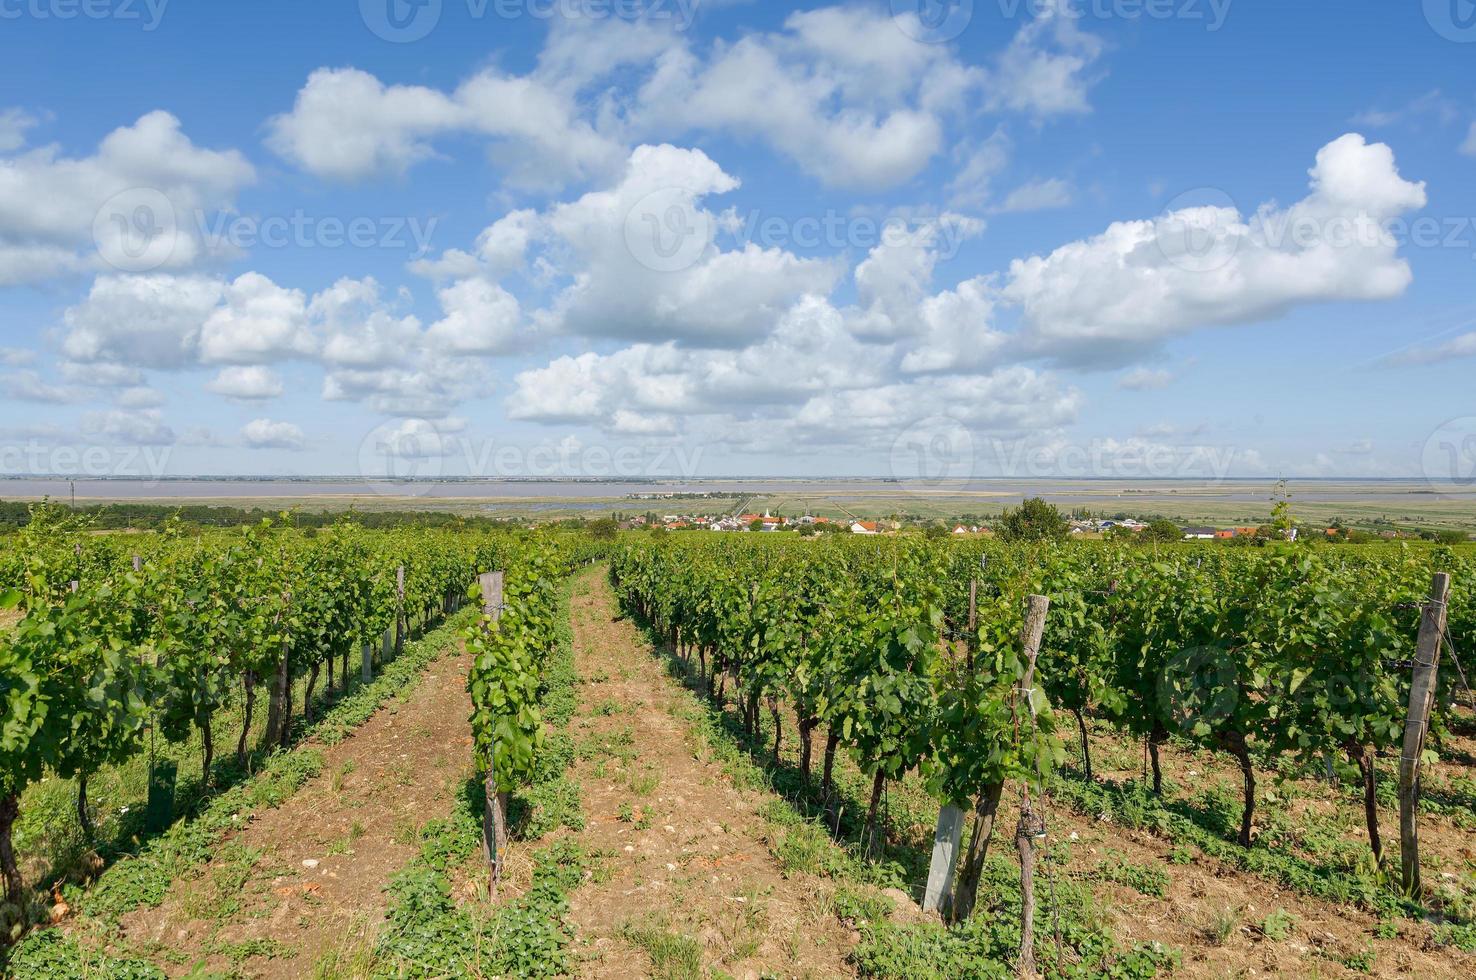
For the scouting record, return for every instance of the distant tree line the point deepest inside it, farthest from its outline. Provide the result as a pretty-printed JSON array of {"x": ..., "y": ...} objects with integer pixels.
[{"x": 146, "y": 517}]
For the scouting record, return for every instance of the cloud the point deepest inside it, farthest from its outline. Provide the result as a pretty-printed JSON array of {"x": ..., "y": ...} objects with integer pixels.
[
  {"x": 97, "y": 375},
  {"x": 246, "y": 384},
  {"x": 1462, "y": 345},
  {"x": 481, "y": 318},
  {"x": 28, "y": 386},
  {"x": 13, "y": 126},
  {"x": 1112, "y": 297},
  {"x": 980, "y": 164},
  {"x": 1046, "y": 70},
  {"x": 360, "y": 328},
  {"x": 415, "y": 439},
  {"x": 132, "y": 203},
  {"x": 141, "y": 321},
  {"x": 143, "y": 427},
  {"x": 1145, "y": 379},
  {"x": 140, "y": 396},
  {"x": 1431, "y": 104},
  {"x": 258, "y": 322},
  {"x": 642, "y": 264},
  {"x": 1469, "y": 147},
  {"x": 1039, "y": 195},
  {"x": 266, "y": 434},
  {"x": 1358, "y": 447},
  {"x": 16, "y": 356},
  {"x": 173, "y": 322},
  {"x": 347, "y": 125},
  {"x": 840, "y": 91}
]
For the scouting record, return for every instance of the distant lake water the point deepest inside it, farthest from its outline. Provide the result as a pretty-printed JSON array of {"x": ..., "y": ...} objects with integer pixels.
[{"x": 512, "y": 490}]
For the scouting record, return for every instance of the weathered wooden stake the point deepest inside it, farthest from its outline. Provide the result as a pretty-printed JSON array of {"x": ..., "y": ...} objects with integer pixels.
[
  {"x": 494, "y": 815},
  {"x": 1421, "y": 699},
  {"x": 938, "y": 895},
  {"x": 400, "y": 611},
  {"x": 1031, "y": 827},
  {"x": 973, "y": 636},
  {"x": 987, "y": 808},
  {"x": 946, "y": 838}
]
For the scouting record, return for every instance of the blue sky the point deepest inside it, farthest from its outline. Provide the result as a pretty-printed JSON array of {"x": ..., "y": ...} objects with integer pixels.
[{"x": 608, "y": 237}]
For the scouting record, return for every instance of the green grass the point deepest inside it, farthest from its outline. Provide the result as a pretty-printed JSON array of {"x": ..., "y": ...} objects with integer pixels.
[
  {"x": 1152, "y": 882},
  {"x": 1206, "y": 824},
  {"x": 1278, "y": 926},
  {"x": 673, "y": 957}
]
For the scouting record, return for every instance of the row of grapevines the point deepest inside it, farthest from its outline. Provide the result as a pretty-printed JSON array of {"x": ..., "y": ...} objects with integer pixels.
[
  {"x": 121, "y": 635},
  {"x": 853, "y": 635},
  {"x": 1295, "y": 651},
  {"x": 510, "y": 646}
]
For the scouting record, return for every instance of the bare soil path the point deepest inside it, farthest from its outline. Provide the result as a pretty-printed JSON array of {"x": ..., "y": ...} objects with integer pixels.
[
  {"x": 308, "y": 878},
  {"x": 687, "y": 884}
]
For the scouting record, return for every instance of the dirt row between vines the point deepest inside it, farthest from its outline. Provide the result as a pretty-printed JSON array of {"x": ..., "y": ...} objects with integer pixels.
[
  {"x": 684, "y": 866},
  {"x": 308, "y": 878},
  {"x": 682, "y": 862}
]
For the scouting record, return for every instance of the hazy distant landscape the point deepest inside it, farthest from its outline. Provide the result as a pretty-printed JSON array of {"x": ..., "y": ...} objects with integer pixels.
[{"x": 1369, "y": 503}]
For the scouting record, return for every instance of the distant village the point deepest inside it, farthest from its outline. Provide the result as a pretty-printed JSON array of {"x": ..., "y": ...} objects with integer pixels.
[{"x": 1079, "y": 527}]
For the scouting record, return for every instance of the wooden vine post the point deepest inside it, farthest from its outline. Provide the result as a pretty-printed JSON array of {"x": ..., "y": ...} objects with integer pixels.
[
  {"x": 947, "y": 836},
  {"x": 1031, "y": 827},
  {"x": 937, "y": 896},
  {"x": 966, "y": 889},
  {"x": 400, "y": 625},
  {"x": 494, "y": 816},
  {"x": 972, "y": 639},
  {"x": 1421, "y": 699}
]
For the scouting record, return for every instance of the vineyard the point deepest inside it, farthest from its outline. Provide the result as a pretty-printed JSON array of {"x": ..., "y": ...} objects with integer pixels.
[{"x": 930, "y": 758}]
